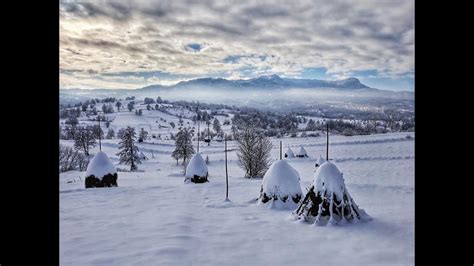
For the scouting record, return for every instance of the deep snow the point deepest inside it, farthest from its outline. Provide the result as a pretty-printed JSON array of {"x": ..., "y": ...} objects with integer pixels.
[{"x": 153, "y": 218}]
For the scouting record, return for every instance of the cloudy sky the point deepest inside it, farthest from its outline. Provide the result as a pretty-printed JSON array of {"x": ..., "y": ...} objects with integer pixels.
[{"x": 130, "y": 44}]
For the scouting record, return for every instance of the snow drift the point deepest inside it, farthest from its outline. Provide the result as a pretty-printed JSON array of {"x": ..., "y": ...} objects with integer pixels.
[
  {"x": 196, "y": 171},
  {"x": 101, "y": 172},
  {"x": 281, "y": 186},
  {"x": 328, "y": 200}
]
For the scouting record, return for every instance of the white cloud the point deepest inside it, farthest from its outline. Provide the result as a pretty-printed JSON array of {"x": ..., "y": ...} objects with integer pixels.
[{"x": 130, "y": 36}]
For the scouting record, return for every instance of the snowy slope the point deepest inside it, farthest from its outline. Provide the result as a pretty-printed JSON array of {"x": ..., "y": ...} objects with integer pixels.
[{"x": 153, "y": 218}]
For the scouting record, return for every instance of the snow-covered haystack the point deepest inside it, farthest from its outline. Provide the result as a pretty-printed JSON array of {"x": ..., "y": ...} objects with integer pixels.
[
  {"x": 328, "y": 200},
  {"x": 101, "y": 172},
  {"x": 196, "y": 171},
  {"x": 319, "y": 162},
  {"x": 302, "y": 153},
  {"x": 281, "y": 186},
  {"x": 289, "y": 153}
]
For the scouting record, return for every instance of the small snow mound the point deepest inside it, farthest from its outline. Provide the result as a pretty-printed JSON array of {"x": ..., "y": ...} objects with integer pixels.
[
  {"x": 281, "y": 183},
  {"x": 100, "y": 166},
  {"x": 320, "y": 161},
  {"x": 289, "y": 153},
  {"x": 302, "y": 152},
  {"x": 196, "y": 167},
  {"x": 329, "y": 178}
]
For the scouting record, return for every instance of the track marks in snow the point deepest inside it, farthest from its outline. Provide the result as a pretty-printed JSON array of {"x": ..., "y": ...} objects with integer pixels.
[
  {"x": 374, "y": 158},
  {"x": 224, "y": 204},
  {"x": 170, "y": 251},
  {"x": 355, "y": 142}
]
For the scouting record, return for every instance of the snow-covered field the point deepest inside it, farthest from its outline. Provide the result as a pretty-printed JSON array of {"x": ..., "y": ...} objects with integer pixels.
[{"x": 154, "y": 218}]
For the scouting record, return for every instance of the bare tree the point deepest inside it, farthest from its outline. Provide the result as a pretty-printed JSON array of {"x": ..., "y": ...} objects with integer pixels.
[
  {"x": 69, "y": 159},
  {"x": 253, "y": 152},
  {"x": 70, "y": 132},
  {"x": 84, "y": 139}
]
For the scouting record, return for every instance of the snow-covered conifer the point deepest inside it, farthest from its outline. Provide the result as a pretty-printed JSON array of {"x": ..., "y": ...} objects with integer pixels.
[
  {"x": 184, "y": 147},
  {"x": 128, "y": 150}
]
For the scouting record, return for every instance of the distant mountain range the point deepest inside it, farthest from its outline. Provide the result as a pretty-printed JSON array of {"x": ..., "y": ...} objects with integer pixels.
[
  {"x": 270, "y": 82},
  {"x": 264, "y": 91}
]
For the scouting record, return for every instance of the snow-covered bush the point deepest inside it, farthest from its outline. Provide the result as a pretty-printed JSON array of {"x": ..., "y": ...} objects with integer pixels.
[
  {"x": 328, "y": 199},
  {"x": 281, "y": 186}
]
